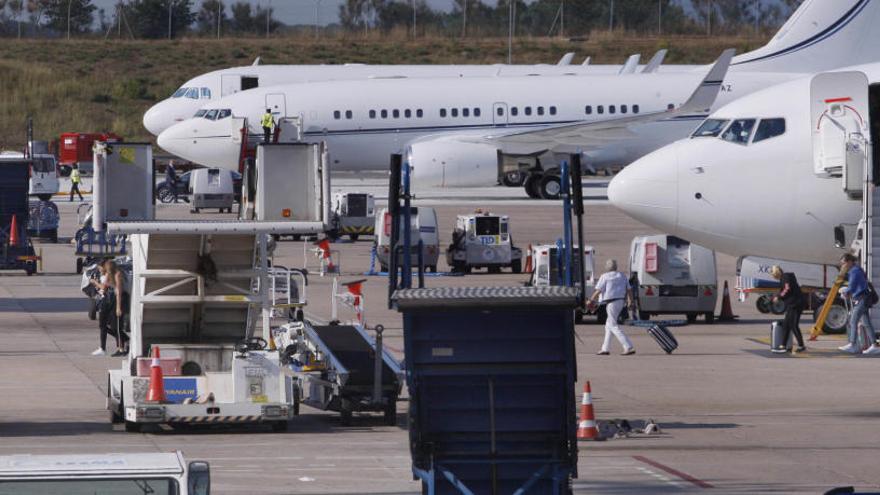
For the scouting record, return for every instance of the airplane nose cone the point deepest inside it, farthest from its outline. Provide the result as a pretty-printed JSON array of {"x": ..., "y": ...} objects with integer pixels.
[
  {"x": 174, "y": 139},
  {"x": 647, "y": 189},
  {"x": 155, "y": 120}
]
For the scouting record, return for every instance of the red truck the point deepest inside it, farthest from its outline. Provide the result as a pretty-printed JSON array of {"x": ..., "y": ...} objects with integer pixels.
[{"x": 76, "y": 148}]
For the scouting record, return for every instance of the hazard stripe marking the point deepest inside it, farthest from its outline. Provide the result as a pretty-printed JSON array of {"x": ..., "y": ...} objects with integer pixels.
[{"x": 673, "y": 472}]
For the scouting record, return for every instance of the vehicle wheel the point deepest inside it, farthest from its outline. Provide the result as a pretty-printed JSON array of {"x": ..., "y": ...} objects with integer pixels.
[
  {"x": 93, "y": 309},
  {"x": 44, "y": 197},
  {"x": 516, "y": 266},
  {"x": 79, "y": 266},
  {"x": 763, "y": 305},
  {"x": 390, "y": 413},
  {"x": 710, "y": 318},
  {"x": 115, "y": 416},
  {"x": 692, "y": 317},
  {"x": 836, "y": 320},
  {"x": 644, "y": 315},
  {"x": 513, "y": 179},
  {"x": 64, "y": 170},
  {"x": 353, "y": 237},
  {"x": 164, "y": 195},
  {"x": 532, "y": 185},
  {"x": 30, "y": 269},
  {"x": 778, "y": 307},
  {"x": 131, "y": 427},
  {"x": 432, "y": 268},
  {"x": 346, "y": 415},
  {"x": 551, "y": 187},
  {"x": 494, "y": 269},
  {"x": 279, "y": 426}
]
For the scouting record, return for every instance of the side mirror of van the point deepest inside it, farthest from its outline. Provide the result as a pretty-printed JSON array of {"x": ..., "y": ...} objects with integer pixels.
[{"x": 199, "y": 478}]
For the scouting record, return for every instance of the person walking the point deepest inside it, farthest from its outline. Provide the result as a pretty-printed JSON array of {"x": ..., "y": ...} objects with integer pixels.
[
  {"x": 613, "y": 291},
  {"x": 75, "y": 179},
  {"x": 113, "y": 308},
  {"x": 790, "y": 294},
  {"x": 268, "y": 122},
  {"x": 857, "y": 292}
]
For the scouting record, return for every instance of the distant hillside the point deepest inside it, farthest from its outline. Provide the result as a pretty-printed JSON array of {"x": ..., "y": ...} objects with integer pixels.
[{"x": 91, "y": 85}]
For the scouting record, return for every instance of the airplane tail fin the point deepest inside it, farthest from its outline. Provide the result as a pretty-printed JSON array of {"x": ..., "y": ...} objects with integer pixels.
[{"x": 820, "y": 35}]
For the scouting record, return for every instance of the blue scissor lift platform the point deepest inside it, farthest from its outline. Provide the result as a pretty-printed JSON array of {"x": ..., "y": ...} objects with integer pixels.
[{"x": 491, "y": 374}]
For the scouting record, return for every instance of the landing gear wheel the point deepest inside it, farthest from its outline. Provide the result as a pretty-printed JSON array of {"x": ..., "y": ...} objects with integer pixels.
[
  {"x": 532, "y": 185},
  {"x": 551, "y": 187},
  {"x": 513, "y": 179}
]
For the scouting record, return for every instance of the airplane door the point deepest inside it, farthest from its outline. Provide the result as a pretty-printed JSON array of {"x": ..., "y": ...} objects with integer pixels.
[
  {"x": 229, "y": 84},
  {"x": 277, "y": 104},
  {"x": 499, "y": 113},
  {"x": 840, "y": 127}
]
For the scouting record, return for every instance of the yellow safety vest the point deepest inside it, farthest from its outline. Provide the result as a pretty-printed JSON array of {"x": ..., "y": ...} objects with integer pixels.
[
  {"x": 267, "y": 120},
  {"x": 74, "y": 176}
]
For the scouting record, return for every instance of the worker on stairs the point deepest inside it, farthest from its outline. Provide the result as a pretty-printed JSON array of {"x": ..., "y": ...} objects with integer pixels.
[{"x": 268, "y": 122}]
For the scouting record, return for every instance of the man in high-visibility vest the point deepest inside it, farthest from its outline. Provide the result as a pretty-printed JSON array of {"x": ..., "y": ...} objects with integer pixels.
[
  {"x": 75, "y": 179},
  {"x": 268, "y": 122}
]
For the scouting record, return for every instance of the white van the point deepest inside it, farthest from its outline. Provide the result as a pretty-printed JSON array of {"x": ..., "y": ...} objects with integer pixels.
[
  {"x": 673, "y": 276},
  {"x": 423, "y": 226},
  {"x": 44, "y": 174},
  {"x": 119, "y": 474}
]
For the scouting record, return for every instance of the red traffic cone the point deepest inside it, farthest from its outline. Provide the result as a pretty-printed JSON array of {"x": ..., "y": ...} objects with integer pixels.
[
  {"x": 726, "y": 310},
  {"x": 156, "y": 392},
  {"x": 324, "y": 246},
  {"x": 13, "y": 232},
  {"x": 587, "y": 429},
  {"x": 529, "y": 268}
]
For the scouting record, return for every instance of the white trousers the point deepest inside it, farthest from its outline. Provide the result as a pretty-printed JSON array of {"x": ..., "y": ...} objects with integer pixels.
[{"x": 612, "y": 328}]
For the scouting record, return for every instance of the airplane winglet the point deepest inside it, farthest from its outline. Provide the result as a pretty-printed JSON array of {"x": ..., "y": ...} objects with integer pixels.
[
  {"x": 566, "y": 59},
  {"x": 586, "y": 61},
  {"x": 656, "y": 61},
  {"x": 704, "y": 96},
  {"x": 257, "y": 61},
  {"x": 632, "y": 63}
]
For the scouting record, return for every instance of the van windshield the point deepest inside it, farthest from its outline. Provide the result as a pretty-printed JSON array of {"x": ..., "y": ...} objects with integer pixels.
[
  {"x": 123, "y": 486},
  {"x": 488, "y": 225},
  {"x": 44, "y": 165}
]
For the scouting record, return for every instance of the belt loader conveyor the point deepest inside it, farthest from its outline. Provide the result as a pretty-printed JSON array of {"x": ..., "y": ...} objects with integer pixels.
[{"x": 337, "y": 369}]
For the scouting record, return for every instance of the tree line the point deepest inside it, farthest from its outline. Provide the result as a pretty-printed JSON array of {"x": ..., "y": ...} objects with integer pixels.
[{"x": 173, "y": 18}]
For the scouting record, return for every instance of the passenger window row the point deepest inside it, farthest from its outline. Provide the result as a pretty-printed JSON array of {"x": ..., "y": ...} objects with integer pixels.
[
  {"x": 612, "y": 109},
  {"x": 455, "y": 112},
  {"x": 395, "y": 114}
]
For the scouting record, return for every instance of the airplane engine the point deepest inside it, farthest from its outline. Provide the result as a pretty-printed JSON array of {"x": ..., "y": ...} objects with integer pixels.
[{"x": 451, "y": 162}]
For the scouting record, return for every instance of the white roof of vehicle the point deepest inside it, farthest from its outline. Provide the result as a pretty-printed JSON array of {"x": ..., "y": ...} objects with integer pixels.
[{"x": 18, "y": 466}]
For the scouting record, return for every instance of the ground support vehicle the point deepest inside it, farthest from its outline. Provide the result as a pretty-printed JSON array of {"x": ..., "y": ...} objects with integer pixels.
[
  {"x": 483, "y": 240},
  {"x": 120, "y": 474},
  {"x": 16, "y": 249},
  {"x": 337, "y": 368},
  {"x": 76, "y": 148},
  {"x": 211, "y": 188},
  {"x": 673, "y": 276},
  {"x": 423, "y": 225},
  {"x": 491, "y": 375},
  {"x": 354, "y": 214},
  {"x": 547, "y": 271}
]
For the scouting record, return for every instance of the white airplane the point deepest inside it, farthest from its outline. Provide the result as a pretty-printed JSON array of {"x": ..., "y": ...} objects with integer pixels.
[
  {"x": 464, "y": 132},
  {"x": 212, "y": 86},
  {"x": 777, "y": 174}
]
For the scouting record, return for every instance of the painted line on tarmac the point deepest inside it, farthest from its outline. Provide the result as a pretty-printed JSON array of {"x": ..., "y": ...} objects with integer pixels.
[
  {"x": 673, "y": 472},
  {"x": 665, "y": 479}
]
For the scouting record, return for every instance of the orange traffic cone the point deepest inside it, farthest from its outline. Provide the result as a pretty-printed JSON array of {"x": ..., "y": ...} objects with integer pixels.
[
  {"x": 726, "y": 310},
  {"x": 587, "y": 429},
  {"x": 529, "y": 262},
  {"x": 156, "y": 392},
  {"x": 13, "y": 232},
  {"x": 324, "y": 246}
]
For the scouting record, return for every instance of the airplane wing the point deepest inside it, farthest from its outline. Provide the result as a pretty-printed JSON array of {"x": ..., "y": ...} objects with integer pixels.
[{"x": 585, "y": 135}]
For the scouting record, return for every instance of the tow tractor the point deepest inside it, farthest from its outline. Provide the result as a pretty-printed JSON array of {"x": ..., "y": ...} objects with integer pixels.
[
  {"x": 354, "y": 214},
  {"x": 483, "y": 240}
]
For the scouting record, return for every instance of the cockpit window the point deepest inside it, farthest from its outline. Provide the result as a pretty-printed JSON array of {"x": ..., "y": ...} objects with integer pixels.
[
  {"x": 180, "y": 92},
  {"x": 224, "y": 113},
  {"x": 206, "y": 93},
  {"x": 211, "y": 115},
  {"x": 192, "y": 93},
  {"x": 710, "y": 128},
  {"x": 740, "y": 131},
  {"x": 769, "y": 128},
  {"x": 200, "y": 113}
]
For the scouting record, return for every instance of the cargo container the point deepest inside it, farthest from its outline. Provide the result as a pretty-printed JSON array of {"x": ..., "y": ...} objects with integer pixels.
[{"x": 75, "y": 148}]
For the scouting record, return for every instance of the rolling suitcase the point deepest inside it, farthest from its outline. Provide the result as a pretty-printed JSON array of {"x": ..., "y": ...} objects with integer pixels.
[
  {"x": 663, "y": 337},
  {"x": 776, "y": 331}
]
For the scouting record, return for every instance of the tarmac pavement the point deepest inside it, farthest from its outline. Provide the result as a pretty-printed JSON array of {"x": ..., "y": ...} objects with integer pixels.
[{"x": 734, "y": 417}]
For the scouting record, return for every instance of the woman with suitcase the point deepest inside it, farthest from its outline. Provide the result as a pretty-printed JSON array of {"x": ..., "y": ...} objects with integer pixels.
[
  {"x": 613, "y": 287},
  {"x": 791, "y": 295}
]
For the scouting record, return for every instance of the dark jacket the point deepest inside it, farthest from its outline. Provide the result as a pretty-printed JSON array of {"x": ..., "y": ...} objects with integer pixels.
[{"x": 793, "y": 298}]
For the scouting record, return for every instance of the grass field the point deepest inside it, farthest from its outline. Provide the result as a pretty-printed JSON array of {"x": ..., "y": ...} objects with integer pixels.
[{"x": 98, "y": 85}]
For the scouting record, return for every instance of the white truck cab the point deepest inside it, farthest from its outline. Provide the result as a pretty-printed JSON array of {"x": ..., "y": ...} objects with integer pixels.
[
  {"x": 483, "y": 240},
  {"x": 120, "y": 474}
]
